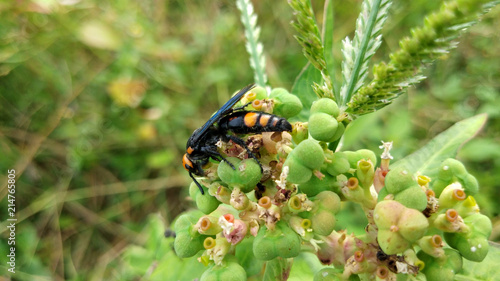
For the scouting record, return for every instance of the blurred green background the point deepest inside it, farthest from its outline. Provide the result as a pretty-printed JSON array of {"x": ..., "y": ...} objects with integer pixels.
[{"x": 98, "y": 98}]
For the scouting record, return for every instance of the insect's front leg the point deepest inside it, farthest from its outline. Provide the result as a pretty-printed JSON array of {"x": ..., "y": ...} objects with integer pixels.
[
  {"x": 217, "y": 156},
  {"x": 197, "y": 183},
  {"x": 241, "y": 143}
]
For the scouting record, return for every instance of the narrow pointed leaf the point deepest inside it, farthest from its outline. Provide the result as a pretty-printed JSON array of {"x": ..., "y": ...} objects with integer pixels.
[{"x": 427, "y": 159}]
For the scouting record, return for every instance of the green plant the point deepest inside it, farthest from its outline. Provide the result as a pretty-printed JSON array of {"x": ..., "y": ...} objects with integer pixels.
[
  {"x": 307, "y": 177},
  {"x": 99, "y": 98}
]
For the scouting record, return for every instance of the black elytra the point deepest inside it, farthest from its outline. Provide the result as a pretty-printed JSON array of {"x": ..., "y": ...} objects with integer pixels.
[{"x": 225, "y": 125}]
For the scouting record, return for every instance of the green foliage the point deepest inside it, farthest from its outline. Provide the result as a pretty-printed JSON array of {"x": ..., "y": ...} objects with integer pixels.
[
  {"x": 427, "y": 43},
  {"x": 486, "y": 270},
  {"x": 443, "y": 146},
  {"x": 358, "y": 52},
  {"x": 98, "y": 100},
  {"x": 254, "y": 48},
  {"x": 310, "y": 40}
]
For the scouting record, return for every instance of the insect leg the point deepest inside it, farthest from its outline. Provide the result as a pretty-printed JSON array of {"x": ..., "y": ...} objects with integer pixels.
[
  {"x": 197, "y": 183},
  {"x": 241, "y": 107},
  {"x": 217, "y": 156},
  {"x": 241, "y": 143}
]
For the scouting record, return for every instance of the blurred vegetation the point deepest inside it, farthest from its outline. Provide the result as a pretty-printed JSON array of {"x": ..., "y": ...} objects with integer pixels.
[{"x": 98, "y": 98}]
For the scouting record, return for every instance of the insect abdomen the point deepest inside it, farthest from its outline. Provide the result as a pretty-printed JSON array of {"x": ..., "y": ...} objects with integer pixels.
[{"x": 245, "y": 122}]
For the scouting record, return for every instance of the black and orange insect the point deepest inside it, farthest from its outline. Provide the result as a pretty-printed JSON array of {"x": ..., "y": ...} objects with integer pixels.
[{"x": 225, "y": 125}]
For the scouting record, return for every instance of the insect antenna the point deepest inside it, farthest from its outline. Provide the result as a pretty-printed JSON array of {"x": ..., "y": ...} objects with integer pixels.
[{"x": 197, "y": 183}]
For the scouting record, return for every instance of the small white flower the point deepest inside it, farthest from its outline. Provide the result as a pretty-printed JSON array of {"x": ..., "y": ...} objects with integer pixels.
[
  {"x": 282, "y": 181},
  {"x": 315, "y": 243},
  {"x": 227, "y": 227},
  {"x": 386, "y": 146}
]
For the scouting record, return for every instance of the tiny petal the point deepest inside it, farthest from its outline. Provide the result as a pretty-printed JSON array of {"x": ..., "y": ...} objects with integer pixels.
[{"x": 239, "y": 232}]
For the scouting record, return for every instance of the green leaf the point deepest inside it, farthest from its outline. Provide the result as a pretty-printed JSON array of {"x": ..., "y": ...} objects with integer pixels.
[
  {"x": 486, "y": 270},
  {"x": 426, "y": 160},
  {"x": 302, "y": 88},
  {"x": 277, "y": 269},
  {"x": 155, "y": 259},
  {"x": 363, "y": 46}
]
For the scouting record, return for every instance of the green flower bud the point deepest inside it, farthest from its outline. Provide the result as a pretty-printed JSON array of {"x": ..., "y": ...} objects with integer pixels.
[
  {"x": 222, "y": 193},
  {"x": 300, "y": 132},
  {"x": 206, "y": 203},
  {"x": 323, "y": 127},
  {"x": 228, "y": 270},
  {"x": 282, "y": 242},
  {"x": 298, "y": 173},
  {"x": 432, "y": 245},
  {"x": 467, "y": 207},
  {"x": 412, "y": 197},
  {"x": 187, "y": 220},
  {"x": 328, "y": 200},
  {"x": 340, "y": 131},
  {"x": 367, "y": 155},
  {"x": 208, "y": 225},
  {"x": 217, "y": 250},
  {"x": 316, "y": 185},
  {"x": 239, "y": 200},
  {"x": 398, "y": 226},
  {"x": 470, "y": 184},
  {"x": 354, "y": 156},
  {"x": 452, "y": 171},
  {"x": 398, "y": 179},
  {"x": 474, "y": 248},
  {"x": 438, "y": 186},
  {"x": 296, "y": 203},
  {"x": 285, "y": 104},
  {"x": 450, "y": 221},
  {"x": 451, "y": 195},
  {"x": 301, "y": 226},
  {"x": 353, "y": 192},
  {"x": 186, "y": 245},
  {"x": 365, "y": 173},
  {"x": 309, "y": 153},
  {"x": 289, "y": 245},
  {"x": 472, "y": 245},
  {"x": 260, "y": 92},
  {"x": 325, "y": 105},
  {"x": 443, "y": 268},
  {"x": 337, "y": 164},
  {"x": 263, "y": 246},
  {"x": 451, "y": 167},
  {"x": 323, "y": 222},
  {"x": 246, "y": 175},
  {"x": 194, "y": 190}
]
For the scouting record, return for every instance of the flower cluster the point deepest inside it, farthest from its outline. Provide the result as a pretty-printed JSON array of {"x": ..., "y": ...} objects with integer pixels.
[{"x": 416, "y": 225}]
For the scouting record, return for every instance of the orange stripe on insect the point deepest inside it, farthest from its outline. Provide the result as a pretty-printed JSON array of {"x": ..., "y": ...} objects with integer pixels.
[
  {"x": 250, "y": 119},
  {"x": 186, "y": 163},
  {"x": 264, "y": 119},
  {"x": 190, "y": 150},
  {"x": 275, "y": 121}
]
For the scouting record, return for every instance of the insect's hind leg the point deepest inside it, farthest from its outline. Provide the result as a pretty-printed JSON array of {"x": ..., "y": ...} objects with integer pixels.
[
  {"x": 241, "y": 143},
  {"x": 241, "y": 107}
]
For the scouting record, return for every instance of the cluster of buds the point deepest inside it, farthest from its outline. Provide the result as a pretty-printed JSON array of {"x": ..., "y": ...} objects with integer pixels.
[{"x": 416, "y": 225}]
